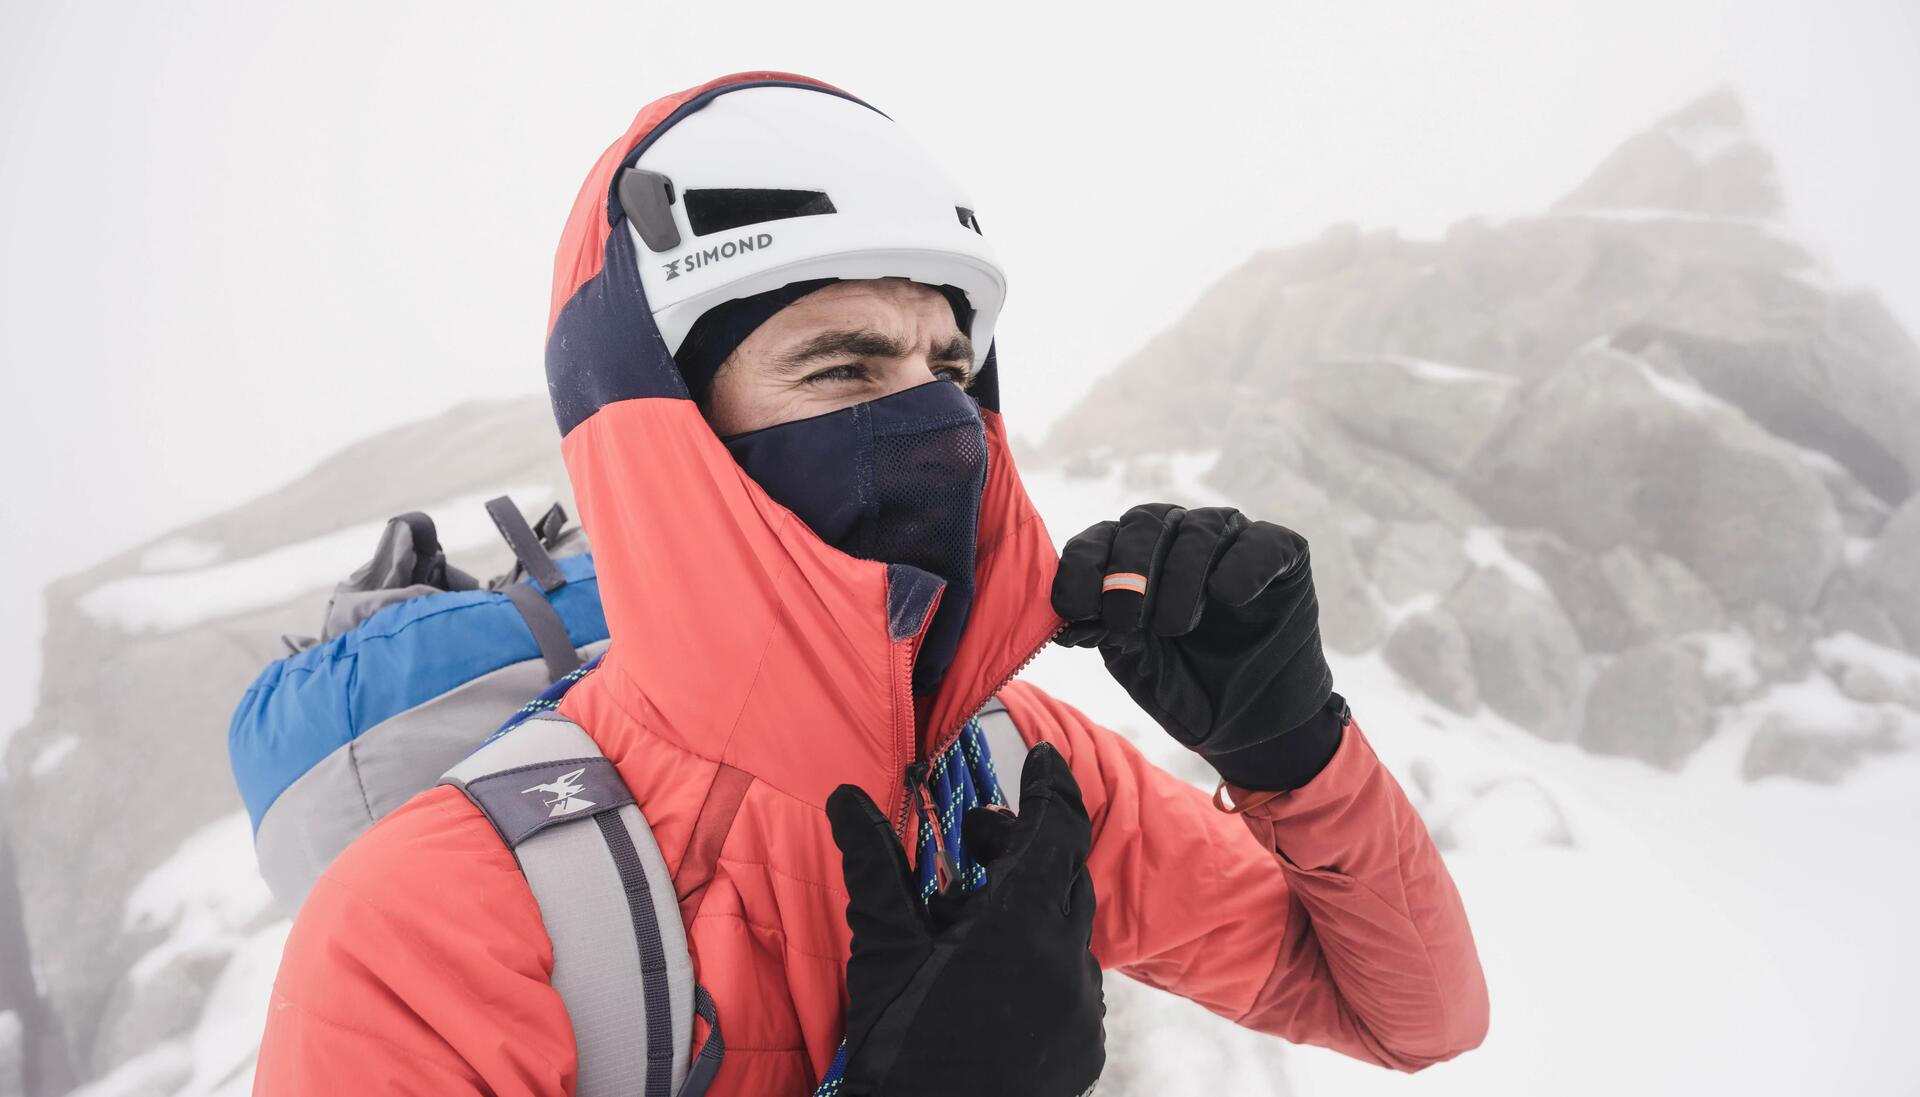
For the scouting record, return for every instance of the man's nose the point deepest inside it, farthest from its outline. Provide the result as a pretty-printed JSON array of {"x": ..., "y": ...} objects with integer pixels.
[{"x": 910, "y": 373}]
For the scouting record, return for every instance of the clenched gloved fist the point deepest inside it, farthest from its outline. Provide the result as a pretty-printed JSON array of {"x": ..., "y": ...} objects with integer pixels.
[
  {"x": 987, "y": 992},
  {"x": 1210, "y": 622}
]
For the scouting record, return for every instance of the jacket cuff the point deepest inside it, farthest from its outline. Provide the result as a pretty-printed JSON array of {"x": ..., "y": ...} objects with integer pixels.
[
  {"x": 1310, "y": 827},
  {"x": 1289, "y": 760}
]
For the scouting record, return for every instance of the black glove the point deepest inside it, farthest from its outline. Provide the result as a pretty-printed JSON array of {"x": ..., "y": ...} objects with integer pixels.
[
  {"x": 1210, "y": 623},
  {"x": 988, "y": 992}
]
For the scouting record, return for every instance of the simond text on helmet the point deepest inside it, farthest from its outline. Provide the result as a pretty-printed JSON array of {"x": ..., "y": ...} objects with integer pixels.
[{"x": 695, "y": 260}]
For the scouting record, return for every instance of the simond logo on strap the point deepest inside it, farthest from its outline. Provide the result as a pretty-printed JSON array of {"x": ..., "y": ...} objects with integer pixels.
[
  {"x": 693, "y": 261},
  {"x": 565, "y": 791}
]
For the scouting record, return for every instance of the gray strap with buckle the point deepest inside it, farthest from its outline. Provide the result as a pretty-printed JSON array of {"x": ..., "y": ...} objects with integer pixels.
[{"x": 526, "y": 544}]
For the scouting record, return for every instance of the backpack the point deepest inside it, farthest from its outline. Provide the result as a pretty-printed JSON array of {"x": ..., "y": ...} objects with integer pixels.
[
  {"x": 422, "y": 675},
  {"x": 416, "y": 663}
]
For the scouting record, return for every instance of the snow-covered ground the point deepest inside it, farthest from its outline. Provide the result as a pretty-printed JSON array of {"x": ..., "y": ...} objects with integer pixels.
[
  {"x": 1643, "y": 931},
  {"x": 210, "y": 900}
]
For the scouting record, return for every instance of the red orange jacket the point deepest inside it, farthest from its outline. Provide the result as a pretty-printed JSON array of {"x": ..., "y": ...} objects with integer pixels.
[{"x": 752, "y": 670}]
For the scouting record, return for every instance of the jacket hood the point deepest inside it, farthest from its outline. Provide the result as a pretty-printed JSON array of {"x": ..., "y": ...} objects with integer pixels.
[{"x": 736, "y": 632}]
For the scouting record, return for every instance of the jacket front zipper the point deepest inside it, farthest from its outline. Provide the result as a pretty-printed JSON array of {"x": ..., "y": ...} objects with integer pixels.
[{"x": 914, "y": 778}]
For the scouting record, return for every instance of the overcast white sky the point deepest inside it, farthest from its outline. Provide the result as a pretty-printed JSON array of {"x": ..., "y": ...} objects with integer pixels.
[{"x": 234, "y": 236}]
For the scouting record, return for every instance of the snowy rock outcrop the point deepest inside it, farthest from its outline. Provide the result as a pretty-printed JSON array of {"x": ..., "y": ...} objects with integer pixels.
[
  {"x": 127, "y": 970},
  {"x": 1614, "y": 472},
  {"x": 1431, "y": 651},
  {"x": 1890, "y": 574},
  {"x": 1697, "y": 160},
  {"x": 1525, "y": 655},
  {"x": 1608, "y": 453},
  {"x": 1651, "y": 703}
]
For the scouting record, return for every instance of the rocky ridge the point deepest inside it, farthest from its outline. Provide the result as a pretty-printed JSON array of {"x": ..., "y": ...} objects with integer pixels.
[
  {"x": 1629, "y": 473},
  {"x": 180, "y": 626}
]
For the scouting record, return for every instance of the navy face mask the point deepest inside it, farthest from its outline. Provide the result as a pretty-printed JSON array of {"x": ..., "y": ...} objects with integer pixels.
[{"x": 899, "y": 480}]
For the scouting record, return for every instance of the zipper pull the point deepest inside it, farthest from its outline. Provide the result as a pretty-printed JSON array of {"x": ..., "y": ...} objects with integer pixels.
[
  {"x": 946, "y": 871},
  {"x": 908, "y": 782}
]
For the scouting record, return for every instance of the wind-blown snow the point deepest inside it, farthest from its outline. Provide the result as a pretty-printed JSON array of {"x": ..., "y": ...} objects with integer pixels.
[
  {"x": 1855, "y": 550},
  {"x": 226, "y": 1042},
  {"x": 1485, "y": 548},
  {"x": 1727, "y": 658},
  {"x": 1846, "y": 649},
  {"x": 1682, "y": 391},
  {"x": 179, "y": 554},
  {"x": 1190, "y": 468},
  {"x": 171, "y": 600},
  {"x": 215, "y": 1059},
  {"x": 1441, "y": 372},
  {"x": 50, "y": 757},
  {"x": 1705, "y": 142},
  {"x": 1813, "y": 705},
  {"x": 207, "y": 899},
  {"x": 197, "y": 897},
  {"x": 1686, "y": 393},
  {"x": 1415, "y": 604}
]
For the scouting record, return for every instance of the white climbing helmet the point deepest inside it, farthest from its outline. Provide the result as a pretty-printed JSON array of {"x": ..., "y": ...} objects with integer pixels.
[{"x": 763, "y": 186}]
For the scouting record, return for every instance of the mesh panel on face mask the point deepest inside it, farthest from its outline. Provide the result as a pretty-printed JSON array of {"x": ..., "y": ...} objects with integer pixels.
[
  {"x": 928, "y": 475},
  {"x": 926, "y": 483}
]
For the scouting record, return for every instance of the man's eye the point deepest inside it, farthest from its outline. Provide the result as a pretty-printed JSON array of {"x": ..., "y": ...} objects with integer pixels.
[
  {"x": 959, "y": 375},
  {"x": 849, "y": 372}
]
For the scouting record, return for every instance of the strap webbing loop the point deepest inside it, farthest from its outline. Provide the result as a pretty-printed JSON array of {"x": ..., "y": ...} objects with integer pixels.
[
  {"x": 525, "y": 544},
  {"x": 706, "y": 1061}
]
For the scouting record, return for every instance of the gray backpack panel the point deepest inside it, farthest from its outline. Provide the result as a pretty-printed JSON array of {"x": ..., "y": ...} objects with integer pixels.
[
  {"x": 620, "y": 958},
  {"x": 346, "y": 792},
  {"x": 1004, "y": 743}
]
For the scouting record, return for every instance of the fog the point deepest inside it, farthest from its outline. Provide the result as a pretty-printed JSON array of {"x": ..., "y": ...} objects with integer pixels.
[
  {"x": 236, "y": 238},
  {"x": 236, "y": 235}
]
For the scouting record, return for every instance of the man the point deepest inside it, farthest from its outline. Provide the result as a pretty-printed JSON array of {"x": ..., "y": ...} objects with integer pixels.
[{"x": 770, "y": 355}]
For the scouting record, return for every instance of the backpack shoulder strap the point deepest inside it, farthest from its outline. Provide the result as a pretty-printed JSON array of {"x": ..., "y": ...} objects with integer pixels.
[
  {"x": 620, "y": 959},
  {"x": 1005, "y": 746}
]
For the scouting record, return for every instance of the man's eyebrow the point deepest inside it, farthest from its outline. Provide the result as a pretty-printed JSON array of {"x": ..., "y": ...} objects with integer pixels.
[
  {"x": 957, "y": 349},
  {"x": 857, "y": 343},
  {"x": 864, "y": 343}
]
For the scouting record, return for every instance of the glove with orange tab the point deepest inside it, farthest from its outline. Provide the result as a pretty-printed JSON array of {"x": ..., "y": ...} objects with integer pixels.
[{"x": 1210, "y": 623}]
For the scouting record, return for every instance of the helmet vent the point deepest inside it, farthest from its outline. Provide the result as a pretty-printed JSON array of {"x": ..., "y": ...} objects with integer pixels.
[
  {"x": 968, "y": 219},
  {"x": 719, "y": 209}
]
